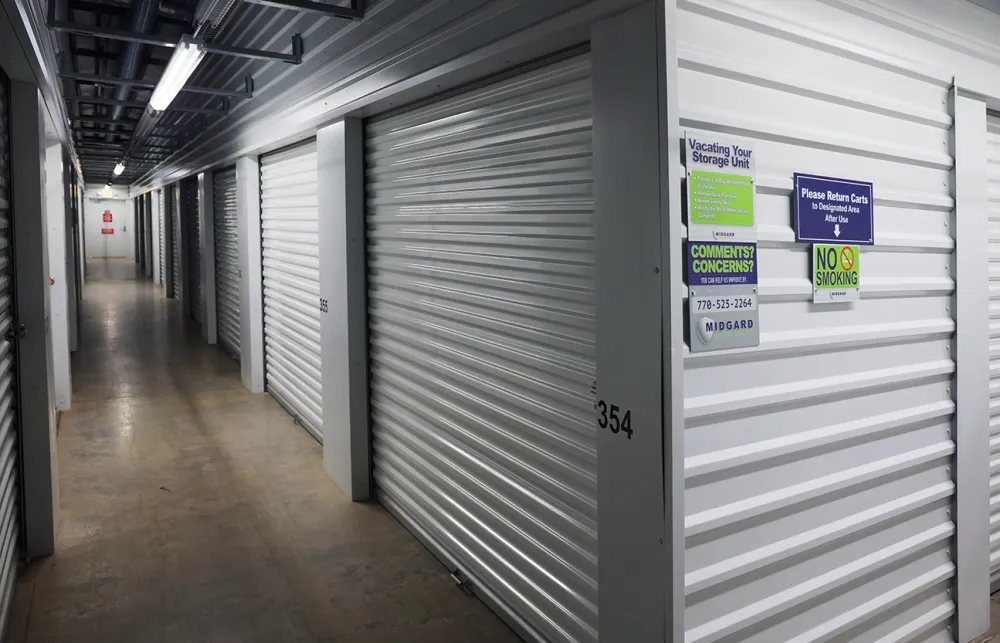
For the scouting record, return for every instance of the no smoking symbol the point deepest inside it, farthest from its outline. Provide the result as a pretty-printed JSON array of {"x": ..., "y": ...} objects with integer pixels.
[{"x": 847, "y": 258}]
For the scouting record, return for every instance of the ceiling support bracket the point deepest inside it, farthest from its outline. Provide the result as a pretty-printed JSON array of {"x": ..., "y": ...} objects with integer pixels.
[
  {"x": 158, "y": 41},
  {"x": 355, "y": 12},
  {"x": 114, "y": 80}
]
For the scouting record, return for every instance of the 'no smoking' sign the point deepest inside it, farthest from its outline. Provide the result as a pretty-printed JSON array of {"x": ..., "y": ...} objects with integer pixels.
[{"x": 836, "y": 273}]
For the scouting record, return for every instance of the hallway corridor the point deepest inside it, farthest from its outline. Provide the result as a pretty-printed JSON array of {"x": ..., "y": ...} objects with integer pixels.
[{"x": 195, "y": 511}]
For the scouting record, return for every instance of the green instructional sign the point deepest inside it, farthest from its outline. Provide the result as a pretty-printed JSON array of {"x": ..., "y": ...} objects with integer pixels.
[
  {"x": 716, "y": 198},
  {"x": 836, "y": 273}
]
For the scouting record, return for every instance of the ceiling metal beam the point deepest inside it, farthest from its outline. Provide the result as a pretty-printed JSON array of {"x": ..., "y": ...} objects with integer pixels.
[
  {"x": 94, "y": 53},
  {"x": 126, "y": 136},
  {"x": 111, "y": 33},
  {"x": 159, "y": 41},
  {"x": 113, "y": 160},
  {"x": 114, "y": 80},
  {"x": 102, "y": 120},
  {"x": 98, "y": 7},
  {"x": 355, "y": 12},
  {"x": 96, "y": 100}
]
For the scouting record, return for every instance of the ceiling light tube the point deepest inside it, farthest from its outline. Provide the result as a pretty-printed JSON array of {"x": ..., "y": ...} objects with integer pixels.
[
  {"x": 183, "y": 62},
  {"x": 119, "y": 168}
]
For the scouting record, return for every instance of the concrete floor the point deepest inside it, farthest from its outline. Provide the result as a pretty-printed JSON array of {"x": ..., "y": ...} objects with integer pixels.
[
  {"x": 195, "y": 511},
  {"x": 993, "y": 636}
]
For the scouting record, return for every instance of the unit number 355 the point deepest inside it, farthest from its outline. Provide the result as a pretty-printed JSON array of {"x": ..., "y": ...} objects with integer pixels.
[{"x": 610, "y": 416}]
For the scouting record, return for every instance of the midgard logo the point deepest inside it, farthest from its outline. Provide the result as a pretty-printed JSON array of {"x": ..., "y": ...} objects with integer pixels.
[{"x": 708, "y": 327}]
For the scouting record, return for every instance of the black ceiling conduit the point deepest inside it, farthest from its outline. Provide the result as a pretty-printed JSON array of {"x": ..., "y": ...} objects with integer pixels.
[{"x": 142, "y": 18}]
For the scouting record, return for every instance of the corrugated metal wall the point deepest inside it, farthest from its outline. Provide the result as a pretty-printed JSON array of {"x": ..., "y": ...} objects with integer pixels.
[
  {"x": 482, "y": 335},
  {"x": 993, "y": 212},
  {"x": 193, "y": 220},
  {"x": 175, "y": 239},
  {"x": 227, "y": 260},
  {"x": 290, "y": 249},
  {"x": 148, "y": 224},
  {"x": 818, "y": 480},
  {"x": 163, "y": 234},
  {"x": 9, "y": 478}
]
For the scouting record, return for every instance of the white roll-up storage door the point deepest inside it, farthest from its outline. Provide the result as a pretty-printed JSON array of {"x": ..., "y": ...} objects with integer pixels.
[
  {"x": 192, "y": 206},
  {"x": 227, "y": 261},
  {"x": 9, "y": 486},
  {"x": 163, "y": 234},
  {"x": 482, "y": 339},
  {"x": 290, "y": 244},
  {"x": 993, "y": 212},
  {"x": 175, "y": 240}
]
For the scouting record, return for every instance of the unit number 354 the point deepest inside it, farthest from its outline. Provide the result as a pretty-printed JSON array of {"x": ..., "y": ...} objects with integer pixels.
[{"x": 610, "y": 416}]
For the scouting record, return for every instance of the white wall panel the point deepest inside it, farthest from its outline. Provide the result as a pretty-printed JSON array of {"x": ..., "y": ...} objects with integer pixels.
[
  {"x": 59, "y": 290},
  {"x": 818, "y": 466}
]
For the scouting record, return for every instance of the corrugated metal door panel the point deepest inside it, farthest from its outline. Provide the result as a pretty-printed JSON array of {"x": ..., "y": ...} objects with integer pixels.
[
  {"x": 290, "y": 246},
  {"x": 163, "y": 234},
  {"x": 175, "y": 221},
  {"x": 194, "y": 247},
  {"x": 993, "y": 212},
  {"x": 482, "y": 337},
  {"x": 227, "y": 261},
  {"x": 149, "y": 222},
  {"x": 9, "y": 507},
  {"x": 818, "y": 488}
]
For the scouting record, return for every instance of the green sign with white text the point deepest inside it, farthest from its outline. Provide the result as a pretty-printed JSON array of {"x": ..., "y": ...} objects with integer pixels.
[
  {"x": 716, "y": 198},
  {"x": 836, "y": 273}
]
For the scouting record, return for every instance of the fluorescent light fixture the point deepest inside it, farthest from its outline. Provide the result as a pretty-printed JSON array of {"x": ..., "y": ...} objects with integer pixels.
[
  {"x": 183, "y": 62},
  {"x": 119, "y": 168}
]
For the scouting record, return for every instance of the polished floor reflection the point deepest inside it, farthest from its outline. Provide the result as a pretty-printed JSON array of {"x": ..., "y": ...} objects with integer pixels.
[{"x": 194, "y": 511}]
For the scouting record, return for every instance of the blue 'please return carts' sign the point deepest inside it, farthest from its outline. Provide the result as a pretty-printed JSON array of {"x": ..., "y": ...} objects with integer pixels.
[{"x": 829, "y": 210}]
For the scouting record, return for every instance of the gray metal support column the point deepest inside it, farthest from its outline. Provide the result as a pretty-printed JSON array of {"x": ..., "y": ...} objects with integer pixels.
[
  {"x": 140, "y": 215},
  {"x": 632, "y": 280},
  {"x": 206, "y": 212},
  {"x": 59, "y": 292},
  {"x": 81, "y": 236},
  {"x": 971, "y": 391},
  {"x": 168, "y": 240},
  {"x": 70, "y": 259},
  {"x": 35, "y": 411},
  {"x": 343, "y": 306},
  {"x": 251, "y": 275},
  {"x": 672, "y": 323},
  {"x": 137, "y": 230}
]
